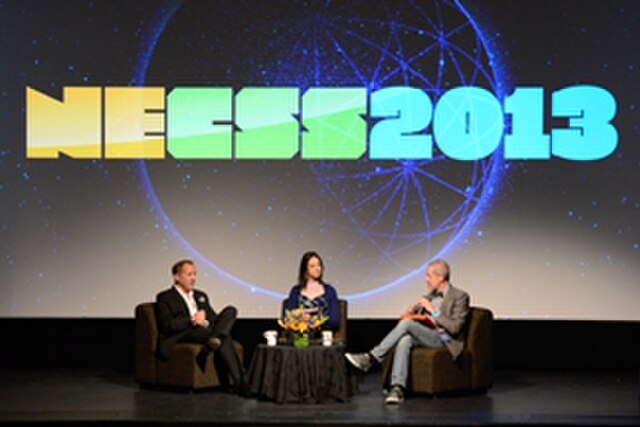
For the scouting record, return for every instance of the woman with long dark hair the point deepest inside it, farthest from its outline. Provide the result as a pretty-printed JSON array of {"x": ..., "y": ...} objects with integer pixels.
[{"x": 312, "y": 293}]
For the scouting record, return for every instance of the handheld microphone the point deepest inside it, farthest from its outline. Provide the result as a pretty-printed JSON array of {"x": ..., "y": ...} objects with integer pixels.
[{"x": 419, "y": 309}]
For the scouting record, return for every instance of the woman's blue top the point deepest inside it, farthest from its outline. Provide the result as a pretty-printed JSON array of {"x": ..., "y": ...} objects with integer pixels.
[{"x": 326, "y": 303}]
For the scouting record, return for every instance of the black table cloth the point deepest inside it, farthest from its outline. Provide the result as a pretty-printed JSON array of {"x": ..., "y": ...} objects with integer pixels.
[{"x": 315, "y": 374}]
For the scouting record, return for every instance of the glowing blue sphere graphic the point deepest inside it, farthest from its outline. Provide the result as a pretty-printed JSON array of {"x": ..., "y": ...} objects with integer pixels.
[{"x": 376, "y": 223}]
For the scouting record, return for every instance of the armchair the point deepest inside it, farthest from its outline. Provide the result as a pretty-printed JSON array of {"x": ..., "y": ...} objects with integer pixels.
[
  {"x": 181, "y": 370},
  {"x": 432, "y": 370}
]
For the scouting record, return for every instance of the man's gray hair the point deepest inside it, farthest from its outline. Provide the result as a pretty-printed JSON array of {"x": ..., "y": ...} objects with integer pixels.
[{"x": 441, "y": 267}]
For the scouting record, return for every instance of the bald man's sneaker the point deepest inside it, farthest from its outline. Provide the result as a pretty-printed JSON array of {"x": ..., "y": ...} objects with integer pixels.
[
  {"x": 362, "y": 361},
  {"x": 395, "y": 396}
]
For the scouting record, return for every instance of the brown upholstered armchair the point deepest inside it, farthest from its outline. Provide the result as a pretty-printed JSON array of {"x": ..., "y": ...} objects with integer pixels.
[
  {"x": 181, "y": 370},
  {"x": 432, "y": 370},
  {"x": 339, "y": 336}
]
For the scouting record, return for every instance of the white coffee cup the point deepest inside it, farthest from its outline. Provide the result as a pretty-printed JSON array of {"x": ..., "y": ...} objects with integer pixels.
[
  {"x": 327, "y": 338},
  {"x": 271, "y": 336}
]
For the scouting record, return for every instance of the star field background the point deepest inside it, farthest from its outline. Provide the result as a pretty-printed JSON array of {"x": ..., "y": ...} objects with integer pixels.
[{"x": 536, "y": 239}]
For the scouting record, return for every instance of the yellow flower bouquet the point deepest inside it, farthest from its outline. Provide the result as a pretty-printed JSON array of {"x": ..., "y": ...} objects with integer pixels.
[{"x": 300, "y": 322}]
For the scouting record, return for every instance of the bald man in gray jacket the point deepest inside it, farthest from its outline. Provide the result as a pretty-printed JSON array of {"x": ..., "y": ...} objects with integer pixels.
[{"x": 436, "y": 320}]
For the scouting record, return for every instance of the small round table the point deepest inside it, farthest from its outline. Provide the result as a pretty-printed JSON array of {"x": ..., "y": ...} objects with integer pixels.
[{"x": 316, "y": 374}]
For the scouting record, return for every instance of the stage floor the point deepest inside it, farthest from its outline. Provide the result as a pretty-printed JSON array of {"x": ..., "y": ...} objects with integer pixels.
[{"x": 105, "y": 397}]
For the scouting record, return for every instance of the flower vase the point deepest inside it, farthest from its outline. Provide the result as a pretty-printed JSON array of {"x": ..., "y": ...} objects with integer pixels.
[{"x": 301, "y": 340}]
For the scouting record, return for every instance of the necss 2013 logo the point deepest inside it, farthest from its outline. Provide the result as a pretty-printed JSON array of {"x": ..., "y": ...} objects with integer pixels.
[{"x": 322, "y": 123}]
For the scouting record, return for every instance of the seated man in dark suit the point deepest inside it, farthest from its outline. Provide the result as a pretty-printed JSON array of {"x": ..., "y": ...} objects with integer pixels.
[{"x": 185, "y": 315}]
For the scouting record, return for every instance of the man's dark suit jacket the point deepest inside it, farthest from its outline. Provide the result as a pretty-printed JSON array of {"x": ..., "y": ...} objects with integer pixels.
[{"x": 174, "y": 320}]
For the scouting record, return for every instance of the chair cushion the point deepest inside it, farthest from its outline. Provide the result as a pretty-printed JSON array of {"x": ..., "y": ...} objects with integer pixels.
[{"x": 432, "y": 370}]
